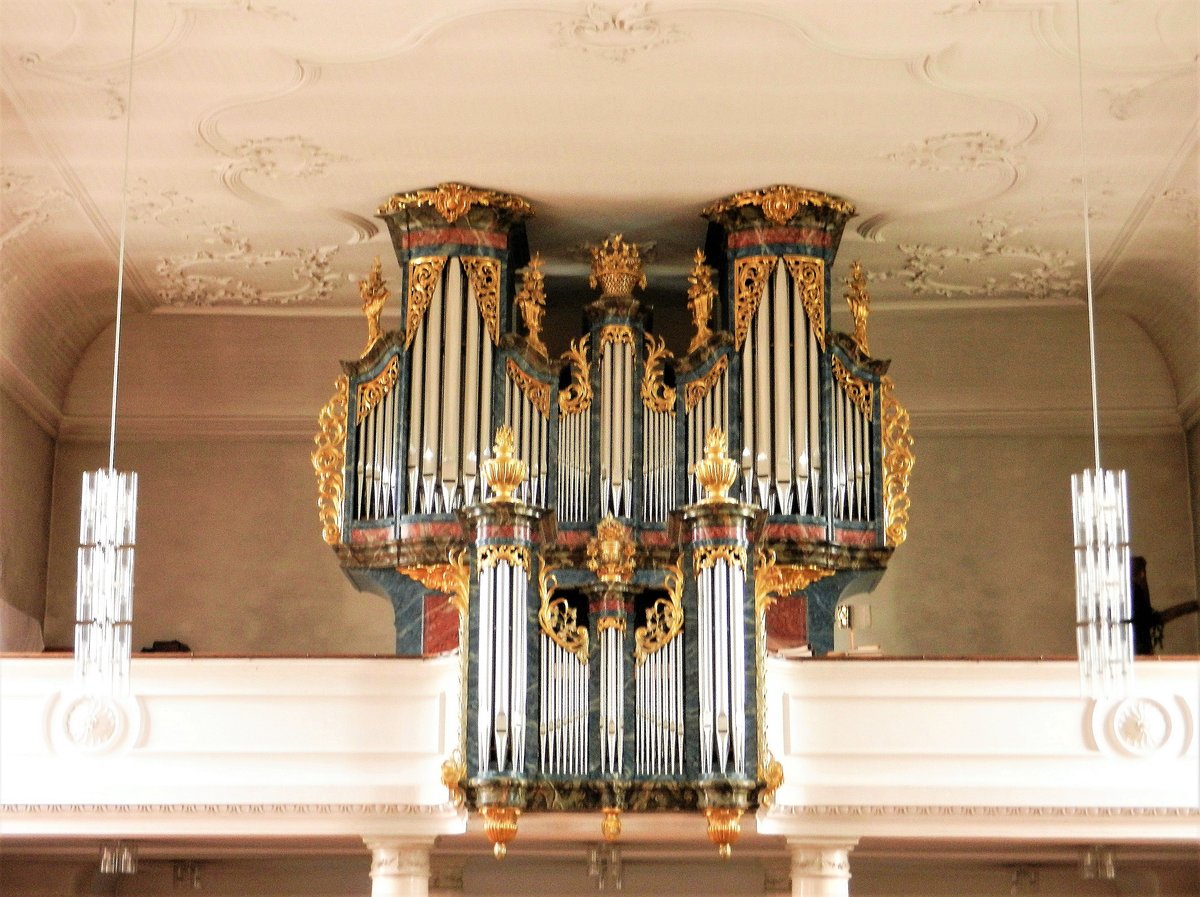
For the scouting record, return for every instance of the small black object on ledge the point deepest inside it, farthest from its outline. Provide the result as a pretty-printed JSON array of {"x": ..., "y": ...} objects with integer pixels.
[{"x": 174, "y": 646}]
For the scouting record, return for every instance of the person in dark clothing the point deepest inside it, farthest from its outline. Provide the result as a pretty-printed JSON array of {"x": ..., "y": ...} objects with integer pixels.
[{"x": 1147, "y": 622}]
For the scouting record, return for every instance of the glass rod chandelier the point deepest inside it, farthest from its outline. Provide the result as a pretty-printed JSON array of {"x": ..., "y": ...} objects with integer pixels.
[
  {"x": 1100, "y": 502},
  {"x": 107, "y": 530}
]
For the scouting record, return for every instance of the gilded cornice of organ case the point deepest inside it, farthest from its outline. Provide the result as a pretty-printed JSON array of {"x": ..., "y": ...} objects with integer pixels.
[{"x": 452, "y": 201}]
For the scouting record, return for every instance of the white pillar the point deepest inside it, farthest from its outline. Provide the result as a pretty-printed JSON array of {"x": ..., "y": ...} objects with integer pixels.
[
  {"x": 820, "y": 867},
  {"x": 399, "y": 867}
]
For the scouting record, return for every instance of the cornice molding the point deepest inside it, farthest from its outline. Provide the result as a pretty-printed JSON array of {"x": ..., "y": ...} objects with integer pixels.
[
  {"x": 423, "y": 811},
  {"x": 854, "y": 811},
  {"x": 29, "y": 398}
]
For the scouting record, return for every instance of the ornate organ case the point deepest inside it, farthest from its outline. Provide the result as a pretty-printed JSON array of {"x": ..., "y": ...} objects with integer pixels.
[{"x": 607, "y": 530}]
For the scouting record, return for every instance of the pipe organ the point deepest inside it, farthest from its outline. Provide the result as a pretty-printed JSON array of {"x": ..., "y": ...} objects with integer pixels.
[{"x": 610, "y": 526}]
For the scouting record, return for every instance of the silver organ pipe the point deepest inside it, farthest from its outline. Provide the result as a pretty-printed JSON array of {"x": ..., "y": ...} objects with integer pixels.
[
  {"x": 782, "y": 354},
  {"x": 781, "y": 410},
  {"x": 658, "y": 686},
  {"x": 574, "y": 448},
  {"x": 501, "y": 680},
  {"x": 375, "y": 464},
  {"x": 616, "y": 421},
  {"x": 564, "y": 679},
  {"x": 612, "y": 701},
  {"x": 706, "y": 405},
  {"x": 852, "y": 439},
  {"x": 526, "y": 403},
  {"x": 722, "y": 654},
  {"x": 658, "y": 464},
  {"x": 450, "y": 369}
]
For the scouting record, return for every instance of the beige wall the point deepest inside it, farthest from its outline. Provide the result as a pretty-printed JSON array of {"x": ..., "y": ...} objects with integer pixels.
[
  {"x": 230, "y": 558},
  {"x": 26, "y": 471},
  {"x": 988, "y": 566},
  {"x": 1193, "y": 454}
]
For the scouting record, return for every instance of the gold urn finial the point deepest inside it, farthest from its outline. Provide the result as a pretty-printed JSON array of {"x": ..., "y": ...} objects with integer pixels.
[
  {"x": 500, "y": 826},
  {"x": 531, "y": 299},
  {"x": 617, "y": 267},
  {"x": 374, "y": 294},
  {"x": 610, "y": 823},
  {"x": 859, "y": 301},
  {"x": 717, "y": 472},
  {"x": 701, "y": 295},
  {"x": 724, "y": 826},
  {"x": 610, "y": 551},
  {"x": 504, "y": 472}
]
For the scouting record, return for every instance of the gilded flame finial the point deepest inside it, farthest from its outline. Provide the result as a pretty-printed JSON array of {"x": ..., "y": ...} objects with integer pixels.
[
  {"x": 717, "y": 472},
  {"x": 617, "y": 267},
  {"x": 610, "y": 551},
  {"x": 504, "y": 472},
  {"x": 701, "y": 295},
  {"x": 531, "y": 299},
  {"x": 859, "y": 301},
  {"x": 374, "y": 294}
]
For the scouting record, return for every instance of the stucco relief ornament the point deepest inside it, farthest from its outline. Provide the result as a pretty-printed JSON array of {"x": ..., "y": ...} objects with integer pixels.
[
  {"x": 311, "y": 270},
  {"x": 275, "y": 157},
  {"x": 962, "y": 151},
  {"x": 1140, "y": 726},
  {"x": 616, "y": 34},
  {"x": 92, "y": 723}
]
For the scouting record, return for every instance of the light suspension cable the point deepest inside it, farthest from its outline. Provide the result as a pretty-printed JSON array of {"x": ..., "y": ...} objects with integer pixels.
[
  {"x": 108, "y": 514},
  {"x": 1100, "y": 507}
]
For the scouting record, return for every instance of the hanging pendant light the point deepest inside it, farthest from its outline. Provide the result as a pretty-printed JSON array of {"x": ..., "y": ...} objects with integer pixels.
[
  {"x": 107, "y": 531},
  {"x": 1100, "y": 502}
]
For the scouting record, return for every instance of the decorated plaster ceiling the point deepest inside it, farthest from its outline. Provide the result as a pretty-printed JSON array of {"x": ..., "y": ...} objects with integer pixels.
[{"x": 266, "y": 134}]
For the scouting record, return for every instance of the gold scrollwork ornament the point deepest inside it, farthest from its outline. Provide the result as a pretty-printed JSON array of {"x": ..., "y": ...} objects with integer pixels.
[
  {"x": 483, "y": 273},
  {"x": 808, "y": 274},
  {"x": 452, "y": 201},
  {"x": 707, "y": 556},
  {"x": 773, "y": 580},
  {"x": 695, "y": 391},
  {"x": 513, "y": 555},
  {"x": 454, "y": 770},
  {"x": 329, "y": 458},
  {"x": 577, "y": 396},
  {"x": 452, "y": 579},
  {"x": 664, "y": 619},
  {"x": 534, "y": 389},
  {"x": 656, "y": 395},
  {"x": 898, "y": 460},
  {"x": 750, "y": 276},
  {"x": 371, "y": 393},
  {"x": 557, "y": 618},
  {"x": 779, "y": 203},
  {"x": 858, "y": 390},
  {"x": 424, "y": 279}
]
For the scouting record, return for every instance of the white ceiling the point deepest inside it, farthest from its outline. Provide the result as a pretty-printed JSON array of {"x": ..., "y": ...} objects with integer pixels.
[{"x": 265, "y": 134}]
